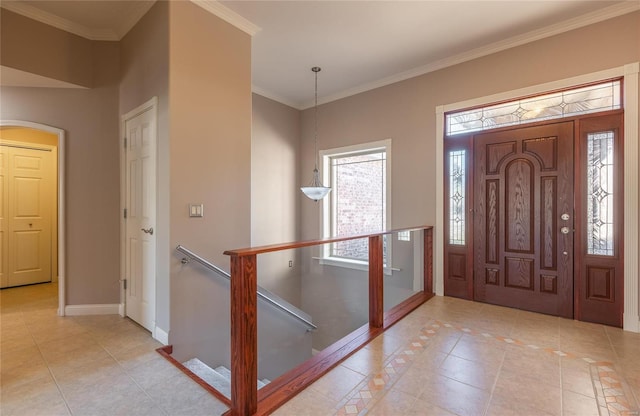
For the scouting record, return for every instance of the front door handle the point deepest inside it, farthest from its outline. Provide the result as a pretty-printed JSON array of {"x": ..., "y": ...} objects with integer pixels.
[
  {"x": 148, "y": 231},
  {"x": 564, "y": 230}
]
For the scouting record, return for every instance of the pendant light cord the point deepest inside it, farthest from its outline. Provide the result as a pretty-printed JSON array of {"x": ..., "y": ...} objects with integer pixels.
[
  {"x": 316, "y": 69},
  {"x": 315, "y": 191}
]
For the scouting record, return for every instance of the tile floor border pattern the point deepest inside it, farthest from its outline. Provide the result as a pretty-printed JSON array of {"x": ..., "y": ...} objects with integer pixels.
[
  {"x": 611, "y": 391},
  {"x": 375, "y": 385}
]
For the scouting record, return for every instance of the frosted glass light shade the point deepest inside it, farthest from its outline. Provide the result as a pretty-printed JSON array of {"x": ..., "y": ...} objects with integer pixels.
[{"x": 315, "y": 190}]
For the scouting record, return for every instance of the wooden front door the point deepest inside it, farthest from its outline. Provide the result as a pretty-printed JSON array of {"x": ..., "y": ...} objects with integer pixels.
[{"x": 523, "y": 218}]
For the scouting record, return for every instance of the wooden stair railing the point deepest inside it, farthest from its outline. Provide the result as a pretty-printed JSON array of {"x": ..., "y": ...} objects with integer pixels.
[{"x": 244, "y": 322}]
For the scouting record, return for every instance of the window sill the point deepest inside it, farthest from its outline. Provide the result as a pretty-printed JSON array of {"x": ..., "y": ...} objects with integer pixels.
[{"x": 352, "y": 264}]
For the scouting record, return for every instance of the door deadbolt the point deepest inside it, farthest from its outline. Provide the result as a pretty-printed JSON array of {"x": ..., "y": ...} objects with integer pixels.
[
  {"x": 148, "y": 231},
  {"x": 565, "y": 216}
]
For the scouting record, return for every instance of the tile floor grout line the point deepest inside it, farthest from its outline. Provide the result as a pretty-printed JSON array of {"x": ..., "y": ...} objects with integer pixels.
[
  {"x": 129, "y": 375},
  {"x": 493, "y": 387},
  {"x": 595, "y": 380},
  {"x": 617, "y": 359},
  {"x": 53, "y": 376},
  {"x": 562, "y": 386}
]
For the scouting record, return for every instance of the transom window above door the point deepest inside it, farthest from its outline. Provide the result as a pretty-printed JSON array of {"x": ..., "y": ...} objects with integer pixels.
[{"x": 580, "y": 100}]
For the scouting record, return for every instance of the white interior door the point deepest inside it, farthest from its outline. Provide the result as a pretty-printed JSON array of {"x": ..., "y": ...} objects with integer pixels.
[
  {"x": 140, "y": 203},
  {"x": 26, "y": 216}
]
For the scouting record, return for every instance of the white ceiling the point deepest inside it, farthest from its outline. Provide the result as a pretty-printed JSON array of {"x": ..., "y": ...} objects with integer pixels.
[{"x": 360, "y": 45}]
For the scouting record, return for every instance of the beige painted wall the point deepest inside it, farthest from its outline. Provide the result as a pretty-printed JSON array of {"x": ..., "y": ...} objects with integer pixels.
[
  {"x": 275, "y": 189},
  {"x": 210, "y": 147},
  {"x": 31, "y": 46},
  {"x": 405, "y": 111},
  {"x": 275, "y": 139},
  {"x": 144, "y": 73},
  {"x": 90, "y": 120}
]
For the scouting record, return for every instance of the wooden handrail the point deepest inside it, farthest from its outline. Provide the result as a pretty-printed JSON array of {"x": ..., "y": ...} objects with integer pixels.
[
  {"x": 299, "y": 244},
  {"x": 244, "y": 314}
]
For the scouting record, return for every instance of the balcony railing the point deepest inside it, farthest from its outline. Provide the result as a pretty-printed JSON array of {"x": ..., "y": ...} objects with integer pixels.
[{"x": 245, "y": 397}]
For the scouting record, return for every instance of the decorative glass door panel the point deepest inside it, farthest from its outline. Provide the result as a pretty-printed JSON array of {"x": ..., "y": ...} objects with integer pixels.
[{"x": 599, "y": 233}]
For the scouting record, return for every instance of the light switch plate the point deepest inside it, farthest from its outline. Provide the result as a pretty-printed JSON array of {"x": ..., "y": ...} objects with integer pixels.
[{"x": 196, "y": 210}]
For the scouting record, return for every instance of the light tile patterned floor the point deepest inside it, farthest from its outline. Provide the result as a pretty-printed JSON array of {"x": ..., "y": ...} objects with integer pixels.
[
  {"x": 453, "y": 357},
  {"x": 449, "y": 357},
  {"x": 85, "y": 365}
]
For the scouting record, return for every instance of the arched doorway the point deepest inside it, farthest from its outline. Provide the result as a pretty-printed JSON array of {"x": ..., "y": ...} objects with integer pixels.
[{"x": 19, "y": 133}]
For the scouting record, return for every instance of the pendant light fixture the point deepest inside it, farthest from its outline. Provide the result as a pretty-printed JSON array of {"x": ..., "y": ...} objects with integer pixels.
[{"x": 316, "y": 190}]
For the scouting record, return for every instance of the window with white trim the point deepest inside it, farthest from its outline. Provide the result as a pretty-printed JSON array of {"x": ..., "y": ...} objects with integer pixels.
[{"x": 359, "y": 202}]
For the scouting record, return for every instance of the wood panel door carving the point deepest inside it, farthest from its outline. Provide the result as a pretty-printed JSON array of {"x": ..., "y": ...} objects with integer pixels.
[{"x": 523, "y": 218}]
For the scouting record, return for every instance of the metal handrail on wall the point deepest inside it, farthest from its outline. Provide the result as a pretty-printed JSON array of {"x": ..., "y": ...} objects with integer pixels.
[{"x": 262, "y": 293}]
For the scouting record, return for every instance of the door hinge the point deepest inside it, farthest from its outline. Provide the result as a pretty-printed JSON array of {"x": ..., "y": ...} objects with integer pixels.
[
  {"x": 125, "y": 142},
  {"x": 124, "y": 283},
  {"x": 125, "y": 213}
]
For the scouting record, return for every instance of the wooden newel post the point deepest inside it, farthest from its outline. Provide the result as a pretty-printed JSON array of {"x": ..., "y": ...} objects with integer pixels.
[
  {"x": 244, "y": 336},
  {"x": 428, "y": 260},
  {"x": 376, "y": 282}
]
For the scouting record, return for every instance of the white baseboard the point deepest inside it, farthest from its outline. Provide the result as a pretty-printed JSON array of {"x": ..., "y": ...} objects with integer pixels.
[
  {"x": 121, "y": 309},
  {"x": 160, "y": 335},
  {"x": 104, "y": 309},
  {"x": 631, "y": 322}
]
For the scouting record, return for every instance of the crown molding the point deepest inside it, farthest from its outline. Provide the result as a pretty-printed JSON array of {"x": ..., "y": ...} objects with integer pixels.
[
  {"x": 132, "y": 15},
  {"x": 257, "y": 90},
  {"x": 47, "y": 18},
  {"x": 552, "y": 30},
  {"x": 136, "y": 10},
  {"x": 228, "y": 16}
]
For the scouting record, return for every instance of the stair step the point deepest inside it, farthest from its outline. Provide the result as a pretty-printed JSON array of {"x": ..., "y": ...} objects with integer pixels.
[
  {"x": 219, "y": 378},
  {"x": 210, "y": 376},
  {"x": 224, "y": 371},
  {"x": 227, "y": 373}
]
